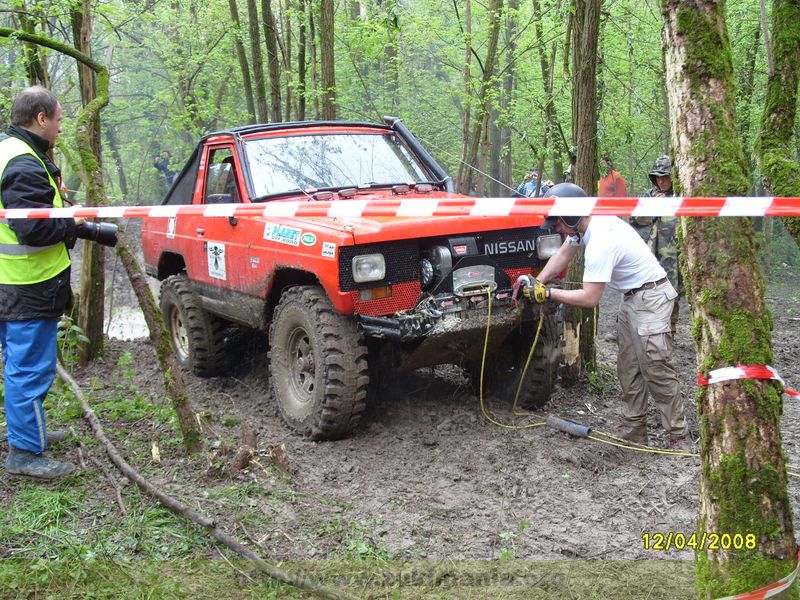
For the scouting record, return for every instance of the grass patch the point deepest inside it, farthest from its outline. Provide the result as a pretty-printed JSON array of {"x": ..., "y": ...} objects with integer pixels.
[
  {"x": 144, "y": 579},
  {"x": 433, "y": 580}
]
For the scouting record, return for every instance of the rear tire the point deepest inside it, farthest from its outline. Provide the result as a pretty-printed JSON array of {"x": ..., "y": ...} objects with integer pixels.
[
  {"x": 503, "y": 369},
  {"x": 197, "y": 336},
  {"x": 318, "y": 365}
]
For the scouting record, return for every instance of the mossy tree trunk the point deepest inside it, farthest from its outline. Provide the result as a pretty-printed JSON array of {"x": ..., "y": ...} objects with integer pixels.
[
  {"x": 93, "y": 278},
  {"x": 90, "y": 165},
  {"x": 774, "y": 149},
  {"x": 743, "y": 476}
]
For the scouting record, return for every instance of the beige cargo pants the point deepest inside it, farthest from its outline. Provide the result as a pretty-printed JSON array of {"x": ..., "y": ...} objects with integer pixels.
[{"x": 644, "y": 361}]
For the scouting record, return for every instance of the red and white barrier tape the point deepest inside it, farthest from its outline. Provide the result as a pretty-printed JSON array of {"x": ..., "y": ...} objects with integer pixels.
[
  {"x": 771, "y": 590},
  {"x": 744, "y": 372},
  {"x": 434, "y": 207}
]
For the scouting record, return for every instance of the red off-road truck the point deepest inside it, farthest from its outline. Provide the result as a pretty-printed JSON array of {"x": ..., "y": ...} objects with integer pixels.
[{"x": 345, "y": 301}]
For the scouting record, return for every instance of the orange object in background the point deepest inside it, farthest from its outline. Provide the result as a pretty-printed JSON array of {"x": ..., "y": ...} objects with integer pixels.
[{"x": 612, "y": 185}]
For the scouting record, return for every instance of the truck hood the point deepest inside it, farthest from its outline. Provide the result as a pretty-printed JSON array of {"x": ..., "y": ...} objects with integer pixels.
[{"x": 378, "y": 229}]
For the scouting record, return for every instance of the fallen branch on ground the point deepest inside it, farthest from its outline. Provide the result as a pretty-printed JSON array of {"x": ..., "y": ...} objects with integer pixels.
[{"x": 178, "y": 508}]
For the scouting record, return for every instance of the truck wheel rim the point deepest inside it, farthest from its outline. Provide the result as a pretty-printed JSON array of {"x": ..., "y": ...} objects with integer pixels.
[
  {"x": 180, "y": 336},
  {"x": 301, "y": 367}
]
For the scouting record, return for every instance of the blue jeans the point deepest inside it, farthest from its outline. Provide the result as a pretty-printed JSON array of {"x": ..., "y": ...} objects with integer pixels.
[{"x": 29, "y": 355}]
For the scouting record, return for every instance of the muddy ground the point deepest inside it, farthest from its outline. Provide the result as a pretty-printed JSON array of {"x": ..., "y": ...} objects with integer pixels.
[{"x": 426, "y": 476}]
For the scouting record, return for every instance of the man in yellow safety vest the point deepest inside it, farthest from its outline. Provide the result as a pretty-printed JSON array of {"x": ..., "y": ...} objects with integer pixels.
[{"x": 34, "y": 280}]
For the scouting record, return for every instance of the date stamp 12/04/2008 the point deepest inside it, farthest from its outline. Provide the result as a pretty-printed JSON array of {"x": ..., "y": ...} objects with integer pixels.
[{"x": 672, "y": 540}]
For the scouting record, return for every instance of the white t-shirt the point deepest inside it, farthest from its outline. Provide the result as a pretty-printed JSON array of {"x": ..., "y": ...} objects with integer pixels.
[{"x": 617, "y": 256}]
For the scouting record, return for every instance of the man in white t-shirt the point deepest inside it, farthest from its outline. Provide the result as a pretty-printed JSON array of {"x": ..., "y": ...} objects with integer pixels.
[{"x": 616, "y": 256}]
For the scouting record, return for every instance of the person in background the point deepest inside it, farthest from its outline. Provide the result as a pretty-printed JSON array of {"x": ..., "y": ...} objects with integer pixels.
[
  {"x": 616, "y": 256},
  {"x": 660, "y": 233},
  {"x": 34, "y": 280},
  {"x": 161, "y": 163},
  {"x": 613, "y": 184},
  {"x": 529, "y": 184}
]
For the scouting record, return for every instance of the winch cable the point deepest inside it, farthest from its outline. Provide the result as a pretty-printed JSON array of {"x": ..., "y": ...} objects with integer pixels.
[
  {"x": 481, "y": 401},
  {"x": 612, "y": 439}
]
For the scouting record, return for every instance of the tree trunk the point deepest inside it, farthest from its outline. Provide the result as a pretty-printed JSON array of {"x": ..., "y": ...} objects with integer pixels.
[
  {"x": 776, "y": 156},
  {"x": 312, "y": 40},
  {"x": 35, "y": 60},
  {"x": 258, "y": 61},
  {"x": 505, "y": 170},
  {"x": 286, "y": 54},
  {"x": 745, "y": 91},
  {"x": 743, "y": 477},
  {"x": 301, "y": 67},
  {"x": 91, "y": 311},
  {"x": 584, "y": 93},
  {"x": 767, "y": 42},
  {"x": 328, "y": 75},
  {"x": 167, "y": 361},
  {"x": 547, "y": 67},
  {"x": 242, "y": 56},
  {"x": 461, "y": 173},
  {"x": 484, "y": 101},
  {"x": 273, "y": 60},
  {"x": 111, "y": 138},
  {"x": 391, "y": 58},
  {"x": 579, "y": 323}
]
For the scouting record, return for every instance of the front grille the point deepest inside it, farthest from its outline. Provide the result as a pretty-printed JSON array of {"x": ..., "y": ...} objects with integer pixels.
[
  {"x": 402, "y": 263},
  {"x": 404, "y": 297}
]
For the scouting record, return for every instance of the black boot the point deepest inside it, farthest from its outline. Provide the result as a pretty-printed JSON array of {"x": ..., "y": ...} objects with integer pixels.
[{"x": 38, "y": 466}]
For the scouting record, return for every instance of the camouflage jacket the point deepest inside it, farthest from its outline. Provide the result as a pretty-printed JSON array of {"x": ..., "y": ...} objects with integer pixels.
[{"x": 661, "y": 236}]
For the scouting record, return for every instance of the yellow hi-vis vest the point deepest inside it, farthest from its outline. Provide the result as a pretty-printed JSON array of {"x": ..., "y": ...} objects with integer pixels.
[{"x": 21, "y": 264}]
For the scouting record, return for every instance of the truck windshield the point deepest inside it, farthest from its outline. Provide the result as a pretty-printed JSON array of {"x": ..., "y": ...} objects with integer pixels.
[{"x": 337, "y": 160}]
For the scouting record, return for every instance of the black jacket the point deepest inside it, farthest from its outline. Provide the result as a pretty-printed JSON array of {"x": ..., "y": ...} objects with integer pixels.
[{"x": 25, "y": 184}]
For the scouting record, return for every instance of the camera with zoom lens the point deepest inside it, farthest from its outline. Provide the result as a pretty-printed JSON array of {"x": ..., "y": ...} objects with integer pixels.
[{"x": 102, "y": 233}]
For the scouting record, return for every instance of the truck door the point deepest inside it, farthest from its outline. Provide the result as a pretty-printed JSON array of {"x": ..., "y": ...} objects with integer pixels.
[{"x": 222, "y": 258}]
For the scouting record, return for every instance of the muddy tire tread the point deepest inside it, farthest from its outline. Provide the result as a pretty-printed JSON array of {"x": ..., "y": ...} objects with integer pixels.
[
  {"x": 345, "y": 377},
  {"x": 207, "y": 356}
]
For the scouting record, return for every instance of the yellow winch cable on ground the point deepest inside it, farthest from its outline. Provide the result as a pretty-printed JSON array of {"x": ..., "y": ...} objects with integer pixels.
[
  {"x": 485, "y": 412},
  {"x": 617, "y": 442},
  {"x": 611, "y": 441}
]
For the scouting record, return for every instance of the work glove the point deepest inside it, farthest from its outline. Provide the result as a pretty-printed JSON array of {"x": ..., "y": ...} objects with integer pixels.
[
  {"x": 538, "y": 292},
  {"x": 541, "y": 293}
]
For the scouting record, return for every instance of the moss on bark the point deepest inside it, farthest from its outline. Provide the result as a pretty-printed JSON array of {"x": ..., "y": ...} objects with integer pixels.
[{"x": 743, "y": 482}]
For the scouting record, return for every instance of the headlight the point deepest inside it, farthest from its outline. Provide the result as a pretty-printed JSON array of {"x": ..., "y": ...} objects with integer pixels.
[
  {"x": 547, "y": 245},
  {"x": 369, "y": 267}
]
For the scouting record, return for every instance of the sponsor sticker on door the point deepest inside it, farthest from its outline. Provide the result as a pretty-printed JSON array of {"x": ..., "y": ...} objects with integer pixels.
[
  {"x": 282, "y": 234},
  {"x": 216, "y": 260},
  {"x": 308, "y": 239}
]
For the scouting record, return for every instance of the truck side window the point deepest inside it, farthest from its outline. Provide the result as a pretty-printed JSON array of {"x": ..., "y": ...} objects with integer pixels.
[{"x": 221, "y": 184}]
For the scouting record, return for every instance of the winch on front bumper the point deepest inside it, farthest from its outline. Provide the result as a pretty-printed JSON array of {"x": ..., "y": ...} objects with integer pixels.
[{"x": 460, "y": 298}]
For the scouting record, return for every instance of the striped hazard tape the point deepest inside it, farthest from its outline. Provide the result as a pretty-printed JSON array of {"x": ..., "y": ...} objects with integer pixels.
[
  {"x": 771, "y": 590},
  {"x": 744, "y": 372},
  {"x": 444, "y": 206}
]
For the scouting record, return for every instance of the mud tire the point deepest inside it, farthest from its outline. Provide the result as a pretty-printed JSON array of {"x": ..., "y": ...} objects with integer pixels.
[
  {"x": 502, "y": 370},
  {"x": 318, "y": 365},
  {"x": 197, "y": 336}
]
